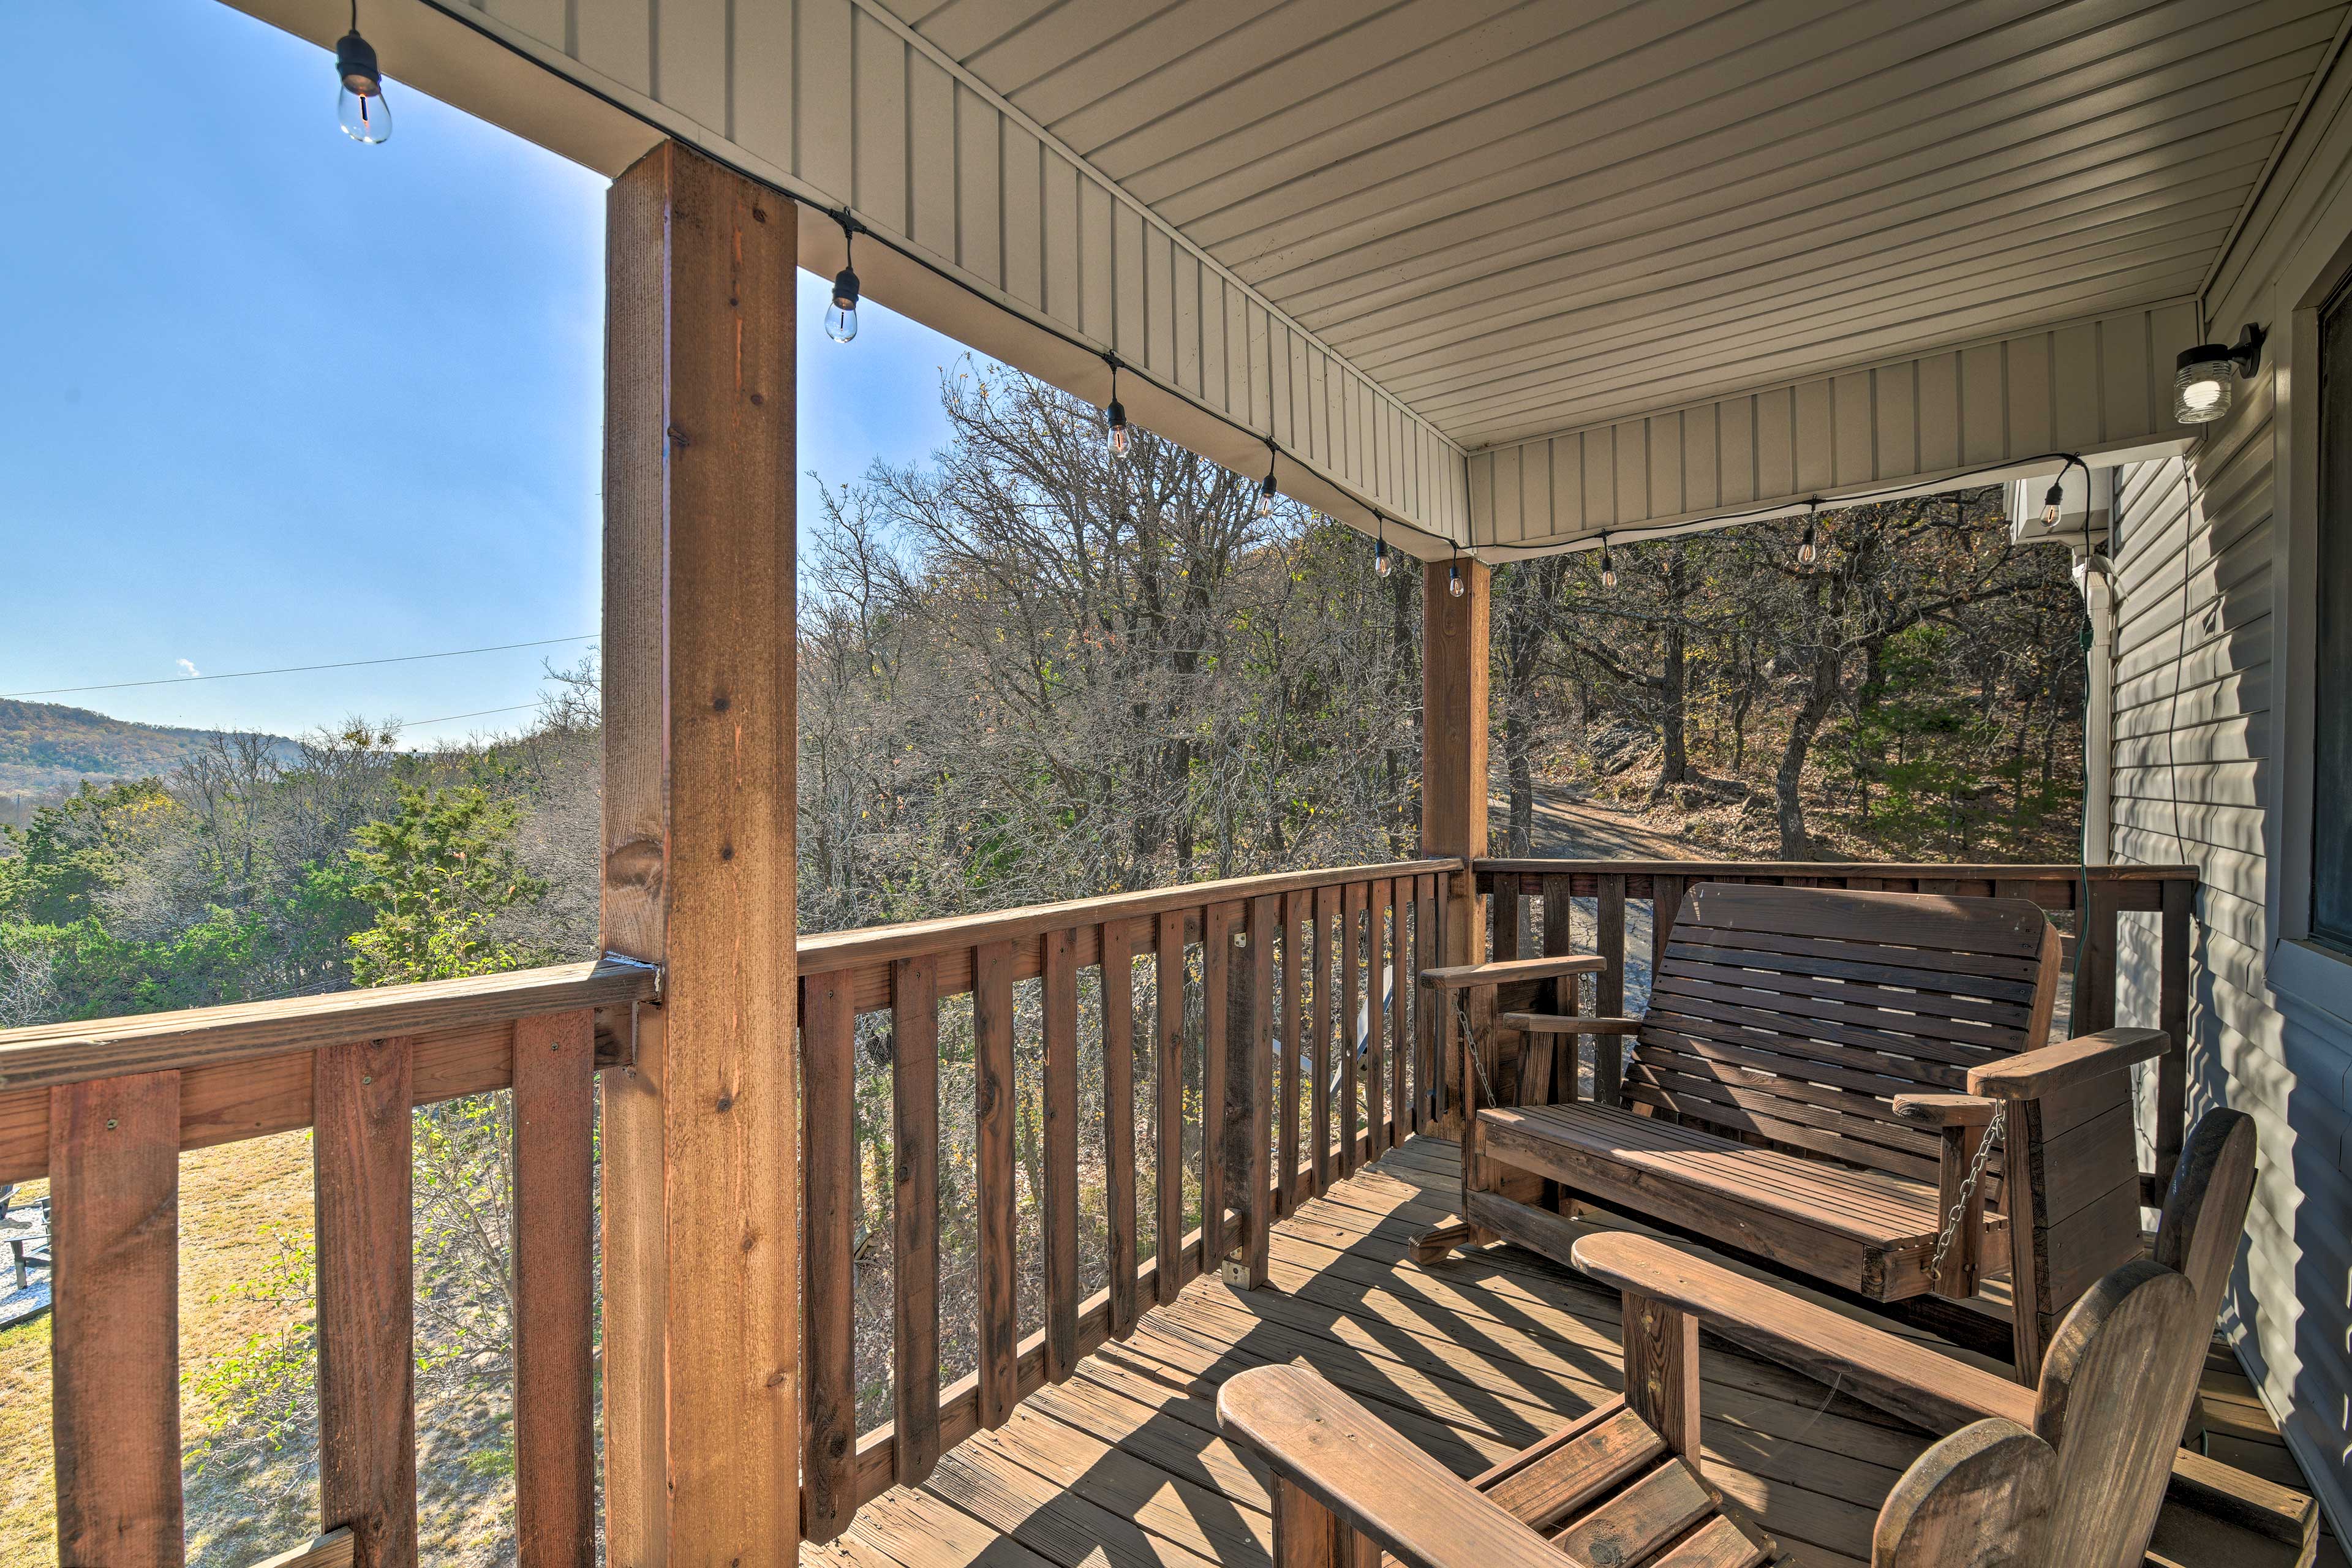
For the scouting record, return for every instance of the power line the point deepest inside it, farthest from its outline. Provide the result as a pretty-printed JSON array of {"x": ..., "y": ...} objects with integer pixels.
[
  {"x": 301, "y": 668},
  {"x": 476, "y": 713}
]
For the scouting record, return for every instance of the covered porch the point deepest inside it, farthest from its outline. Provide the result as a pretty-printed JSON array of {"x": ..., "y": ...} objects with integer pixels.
[{"x": 1485, "y": 283}]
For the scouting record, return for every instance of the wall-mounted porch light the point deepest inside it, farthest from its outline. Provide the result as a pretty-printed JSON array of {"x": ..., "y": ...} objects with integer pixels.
[
  {"x": 360, "y": 106},
  {"x": 2207, "y": 375},
  {"x": 841, "y": 317}
]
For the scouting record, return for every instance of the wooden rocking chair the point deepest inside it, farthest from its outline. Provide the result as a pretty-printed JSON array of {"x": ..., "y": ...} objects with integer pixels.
[
  {"x": 2070, "y": 1473},
  {"x": 1818, "y": 1084}
]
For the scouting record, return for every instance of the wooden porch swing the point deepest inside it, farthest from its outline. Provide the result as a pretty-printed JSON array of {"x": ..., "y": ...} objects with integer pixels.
[{"x": 1853, "y": 1088}]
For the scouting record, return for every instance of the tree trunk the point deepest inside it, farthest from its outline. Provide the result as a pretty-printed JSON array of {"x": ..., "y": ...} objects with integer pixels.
[
  {"x": 1518, "y": 743},
  {"x": 1672, "y": 710},
  {"x": 1821, "y": 691}
]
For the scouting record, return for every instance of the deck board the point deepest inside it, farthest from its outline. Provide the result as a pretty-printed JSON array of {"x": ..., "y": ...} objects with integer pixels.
[{"x": 1123, "y": 1467}]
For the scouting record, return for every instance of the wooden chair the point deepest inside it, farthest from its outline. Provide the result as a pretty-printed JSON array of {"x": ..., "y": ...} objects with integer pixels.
[
  {"x": 2072, "y": 1472},
  {"x": 1811, "y": 1087}
]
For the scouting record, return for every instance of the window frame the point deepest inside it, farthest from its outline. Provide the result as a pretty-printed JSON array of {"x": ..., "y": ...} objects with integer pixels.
[{"x": 2299, "y": 968}]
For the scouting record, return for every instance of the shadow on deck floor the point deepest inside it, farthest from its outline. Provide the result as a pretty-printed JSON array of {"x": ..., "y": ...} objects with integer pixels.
[{"x": 1121, "y": 1466}]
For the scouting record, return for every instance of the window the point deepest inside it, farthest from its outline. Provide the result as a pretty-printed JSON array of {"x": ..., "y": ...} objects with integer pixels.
[{"x": 2331, "y": 815}]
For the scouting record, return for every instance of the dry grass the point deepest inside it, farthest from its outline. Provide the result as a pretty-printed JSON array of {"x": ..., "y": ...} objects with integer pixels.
[{"x": 228, "y": 1196}]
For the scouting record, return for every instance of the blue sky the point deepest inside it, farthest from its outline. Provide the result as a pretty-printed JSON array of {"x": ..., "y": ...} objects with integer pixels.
[{"x": 272, "y": 397}]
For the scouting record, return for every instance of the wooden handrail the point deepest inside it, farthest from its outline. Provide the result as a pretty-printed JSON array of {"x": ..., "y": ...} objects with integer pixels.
[
  {"x": 907, "y": 939},
  {"x": 2036, "y": 871},
  {"x": 47, "y": 1054}
]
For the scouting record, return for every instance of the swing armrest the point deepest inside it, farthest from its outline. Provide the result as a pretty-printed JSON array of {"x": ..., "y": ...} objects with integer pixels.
[
  {"x": 1902, "y": 1376},
  {"x": 2031, "y": 1075}
]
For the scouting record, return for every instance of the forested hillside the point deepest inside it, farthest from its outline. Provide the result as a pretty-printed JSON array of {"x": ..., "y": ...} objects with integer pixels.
[
  {"x": 1027, "y": 672},
  {"x": 47, "y": 748}
]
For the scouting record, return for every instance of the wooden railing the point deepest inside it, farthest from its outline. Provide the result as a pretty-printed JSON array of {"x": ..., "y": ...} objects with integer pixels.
[
  {"x": 1274, "y": 1019},
  {"x": 1288, "y": 958},
  {"x": 103, "y": 1110},
  {"x": 2094, "y": 895}
]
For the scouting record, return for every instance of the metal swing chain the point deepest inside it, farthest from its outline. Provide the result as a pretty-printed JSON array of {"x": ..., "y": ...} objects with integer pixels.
[
  {"x": 1967, "y": 1188},
  {"x": 1478, "y": 1054}
]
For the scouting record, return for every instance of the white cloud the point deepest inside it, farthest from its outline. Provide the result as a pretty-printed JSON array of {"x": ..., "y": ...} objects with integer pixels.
[{"x": 188, "y": 669}]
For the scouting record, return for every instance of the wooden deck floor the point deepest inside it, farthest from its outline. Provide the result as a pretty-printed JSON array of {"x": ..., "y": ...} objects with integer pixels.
[{"x": 1121, "y": 1466}]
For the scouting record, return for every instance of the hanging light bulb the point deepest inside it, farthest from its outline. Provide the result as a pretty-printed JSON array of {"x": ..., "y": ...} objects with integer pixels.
[
  {"x": 1454, "y": 584},
  {"x": 1808, "y": 552},
  {"x": 1608, "y": 566},
  {"x": 361, "y": 105},
  {"x": 841, "y": 318},
  {"x": 1380, "y": 563},
  {"x": 1268, "y": 491},
  {"x": 2053, "y": 503},
  {"x": 1115, "y": 416}
]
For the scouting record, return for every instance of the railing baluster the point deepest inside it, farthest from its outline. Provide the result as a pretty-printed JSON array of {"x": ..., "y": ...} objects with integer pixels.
[
  {"x": 1000, "y": 1212},
  {"x": 828, "y": 1047},
  {"x": 1400, "y": 1048},
  {"x": 1060, "y": 1154},
  {"x": 1216, "y": 1003},
  {"x": 1351, "y": 1001},
  {"x": 1118, "y": 941},
  {"x": 1665, "y": 908},
  {"x": 1293, "y": 1033},
  {"x": 1504, "y": 900},
  {"x": 1253, "y": 1122},
  {"x": 1327, "y": 914},
  {"x": 554, "y": 1284},
  {"x": 362, "y": 1164},
  {"x": 1608, "y": 991},
  {"x": 1168, "y": 985},
  {"x": 1376, "y": 1019},
  {"x": 2095, "y": 1001},
  {"x": 915, "y": 1216},
  {"x": 2172, "y": 1017},
  {"x": 1428, "y": 1075},
  {"x": 114, "y": 1346}
]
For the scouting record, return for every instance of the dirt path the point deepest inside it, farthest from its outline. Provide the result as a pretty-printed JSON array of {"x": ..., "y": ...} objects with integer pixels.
[{"x": 1570, "y": 828}]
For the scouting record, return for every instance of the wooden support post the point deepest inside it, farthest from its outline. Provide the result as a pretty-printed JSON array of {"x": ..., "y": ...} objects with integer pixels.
[
  {"x": 1306, "y": 1533},
  {"x": 702, "y": 1147},
  {"x": 1957, "y": 1276},
  {"x": 1661, "y": 1371},
  {"x": 1454, "y": 666},
  {"x": 1454, "y": 656}
]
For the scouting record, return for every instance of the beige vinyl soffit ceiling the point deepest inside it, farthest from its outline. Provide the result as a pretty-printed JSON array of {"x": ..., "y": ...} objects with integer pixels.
[{"x": 1521, "y": 218}]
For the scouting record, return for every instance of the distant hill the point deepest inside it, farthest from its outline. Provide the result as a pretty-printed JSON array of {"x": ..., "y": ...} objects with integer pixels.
[{"x": 46, "y": 747}]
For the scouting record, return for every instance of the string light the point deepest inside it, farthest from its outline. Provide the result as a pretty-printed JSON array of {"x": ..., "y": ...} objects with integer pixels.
[
  {"x": 1808, "y": 552},
  {"x": 841, "y": 319},
  {"x": 360, "y": 106},
  {"x": 1115, "y": 416},
  {"x": 2053, "y": 503},
  {"x": 1608, "y": 566},
  {"x": 1268, "y": 491},
  {"x": 1454, "y": 584},
  {"x": 1380, "y": 563}
]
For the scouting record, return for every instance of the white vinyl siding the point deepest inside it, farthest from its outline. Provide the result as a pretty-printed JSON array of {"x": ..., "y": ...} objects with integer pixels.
[{"x": 2197, "y": 776}]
